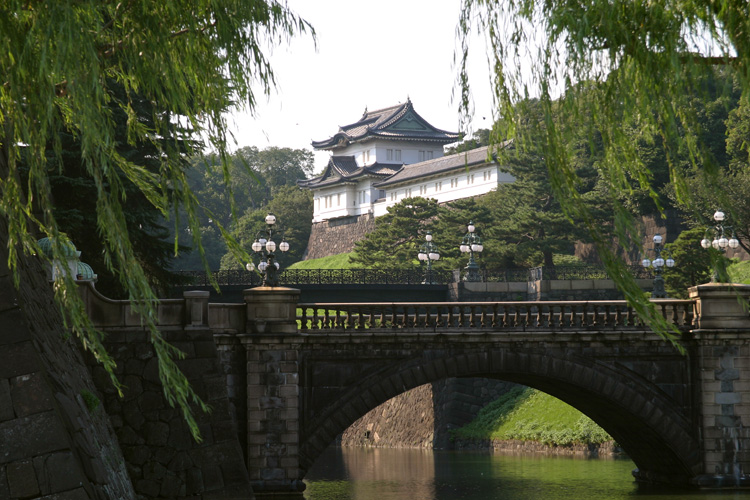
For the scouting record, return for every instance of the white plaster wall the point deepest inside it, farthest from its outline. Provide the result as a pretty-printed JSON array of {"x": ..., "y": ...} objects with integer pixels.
[
  {"x": 441, "y": 189},
  {"x": 336, "y": 206},
  {"x": 379, "y": 151}
]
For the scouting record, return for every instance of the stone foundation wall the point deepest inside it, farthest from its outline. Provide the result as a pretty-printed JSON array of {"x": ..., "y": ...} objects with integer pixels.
[
  {"x": 423, "y": 417},
  {"x": 55, "y": 441},
  {"x": 338, "y": 235},
  {"x": 163, "y": 459}
]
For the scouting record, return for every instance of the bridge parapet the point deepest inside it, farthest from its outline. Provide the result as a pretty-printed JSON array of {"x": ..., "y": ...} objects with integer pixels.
[{"x": 538, "y": 315}]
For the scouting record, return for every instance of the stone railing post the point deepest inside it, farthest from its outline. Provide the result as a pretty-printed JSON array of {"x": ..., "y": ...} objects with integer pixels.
[
  {"x": 196, "y": 309},
  {"x": 272, "y": 344},
  {"x": 723, "y": 352},
  {"x": 271, "y": 310}
]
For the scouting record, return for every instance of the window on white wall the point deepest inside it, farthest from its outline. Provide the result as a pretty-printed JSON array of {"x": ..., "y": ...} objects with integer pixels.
[
  {"x": 389, "y": 154},
  {"x": 338, "y": 200},
  {"x": 398, "y": 155},
  {"x": 429, "y": 155},
  {"x": 421, "y": 156}
]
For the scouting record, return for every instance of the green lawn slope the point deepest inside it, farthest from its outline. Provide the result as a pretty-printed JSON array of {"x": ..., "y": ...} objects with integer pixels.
[
  {"x": 340, "y": 261},
  {"x": 739, "y": 272},
  {"x": 526, "y": 414}
]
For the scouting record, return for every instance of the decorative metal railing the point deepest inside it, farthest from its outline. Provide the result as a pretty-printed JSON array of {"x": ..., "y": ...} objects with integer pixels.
[
  {"x": 394, "y": 276},
  {"x": 538, "y": 315},
  {"x": 407, "y": 276},
  {"x": 579, "y": 273},
  {"x": 287, "y": 277}
]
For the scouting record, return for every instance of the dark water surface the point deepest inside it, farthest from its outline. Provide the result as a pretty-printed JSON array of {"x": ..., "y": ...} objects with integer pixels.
[{"x": 399, "y": 474}]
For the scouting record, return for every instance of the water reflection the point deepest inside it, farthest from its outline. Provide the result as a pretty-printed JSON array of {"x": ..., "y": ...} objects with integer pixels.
[{"x": 406, "y": 474}]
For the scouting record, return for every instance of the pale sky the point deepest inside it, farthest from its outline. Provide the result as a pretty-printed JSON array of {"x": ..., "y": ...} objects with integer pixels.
[{"x": 371, "y": 54}]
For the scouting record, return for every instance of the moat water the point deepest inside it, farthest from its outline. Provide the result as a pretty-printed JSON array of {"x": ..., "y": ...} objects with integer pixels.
[{"x": 404, "y": 474}]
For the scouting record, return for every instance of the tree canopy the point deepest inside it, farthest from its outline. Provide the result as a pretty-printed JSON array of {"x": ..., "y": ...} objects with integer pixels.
[
  {"x": 59, "y": 62},
  {"x": 260, "y": 181},
  {"x": 627, "y": 65}
]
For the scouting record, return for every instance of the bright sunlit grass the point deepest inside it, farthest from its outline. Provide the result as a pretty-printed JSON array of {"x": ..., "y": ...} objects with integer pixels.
[
  {"x": 526, "y": 414},
  {"x": 340, "y": 261}
]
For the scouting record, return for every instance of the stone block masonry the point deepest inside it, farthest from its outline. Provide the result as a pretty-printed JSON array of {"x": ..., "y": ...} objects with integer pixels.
[
  {"x": 56, "y": 442},
  {"x": 338, "y": 236},
  {"x": 424, "y": 417},
  {"x": 163, "y": 459}
]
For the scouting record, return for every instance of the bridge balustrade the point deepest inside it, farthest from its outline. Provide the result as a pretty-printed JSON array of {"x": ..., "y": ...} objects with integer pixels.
[{"x": 538, "y": 315}]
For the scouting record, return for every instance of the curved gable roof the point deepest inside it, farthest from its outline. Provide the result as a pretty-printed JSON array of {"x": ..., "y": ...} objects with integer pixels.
[
  {"x": 400, "y": 122},
  {"x": 345, "y": 169}
]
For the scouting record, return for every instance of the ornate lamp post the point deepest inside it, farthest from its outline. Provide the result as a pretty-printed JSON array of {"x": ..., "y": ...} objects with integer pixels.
[
  {"x": 428, "y": 252},
  {"x": 471, "y": 244},
  {"x": 658, "y": 264},
  {"x": 265, "y": 248},
  {"x": 720, "y": 241}
]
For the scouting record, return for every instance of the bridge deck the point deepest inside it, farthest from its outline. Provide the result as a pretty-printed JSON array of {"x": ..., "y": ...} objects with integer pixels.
[{"x": 538, "y": 315}]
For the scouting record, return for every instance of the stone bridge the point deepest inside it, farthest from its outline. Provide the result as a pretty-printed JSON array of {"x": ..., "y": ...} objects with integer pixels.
[{"x": 298, "y": 374}]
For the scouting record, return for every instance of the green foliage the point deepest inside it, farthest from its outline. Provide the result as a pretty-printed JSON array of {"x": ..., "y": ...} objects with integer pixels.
[
  {"x": 529, "y": 415},
  {"x": 340, "y": 261},
  {"x": 256, "y": 179},
  {"x": 293, "y": 208},
  {"x": 739, "y": 272},
  {"x": 92, "y": 402},
  {"x": 623, "y": 68},
  {"x": 59, "y": 62},
  {"x": 449, "y": 228},
  {"x": 531, "y": 225},
  {"x": 479, "y": 139},
  {"x": 75, "y": 195},
  {"x": 693, "y": 263},
  {"x": 397, "y": 234}
]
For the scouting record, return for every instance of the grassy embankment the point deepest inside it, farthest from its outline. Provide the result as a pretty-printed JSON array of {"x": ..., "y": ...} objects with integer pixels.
[
  {"x": 340, "y": 261},
  {"x": 526, "y": 414},
  {"x": 739, "y": 272}
]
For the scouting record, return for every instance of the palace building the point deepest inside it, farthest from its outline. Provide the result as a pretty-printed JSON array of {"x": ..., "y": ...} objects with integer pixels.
[{"x": 391, "y": 154}]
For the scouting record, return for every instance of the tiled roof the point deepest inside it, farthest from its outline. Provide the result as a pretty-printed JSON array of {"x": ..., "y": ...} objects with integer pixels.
[
  {"x": 400, "y": 122},
  {"x": 342, "y": 169},
  {"x": 438, "y": 166}
]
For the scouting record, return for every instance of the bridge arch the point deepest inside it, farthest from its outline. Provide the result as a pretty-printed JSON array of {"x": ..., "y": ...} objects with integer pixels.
[{"x": 654, "y": 431}]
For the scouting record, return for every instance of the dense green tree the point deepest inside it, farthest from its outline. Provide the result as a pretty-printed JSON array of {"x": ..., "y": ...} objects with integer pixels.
[
  {"x": 75, "y": 197},
  {"x": 293, "y": 208},
  {"x": 693, "y": 263},
  {"x": 622, "y": 63},
  {"x": 729, "y": 189},
  {"x": 59, "y": 60},
  {"x": 254, "y": 175},
  {"x": 529, "y": 224},
  {"x": 397, "y": 235},
  {"x": 255, "y": 178},
  {"x": 449, "y": 228},
  {"x": 478, "y": 139}
]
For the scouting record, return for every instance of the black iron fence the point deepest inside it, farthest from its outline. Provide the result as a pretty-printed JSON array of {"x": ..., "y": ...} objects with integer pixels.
[
  {"x": 405, "y": 276},
  {"x": 322, "y": 277},
  {"x": 578, "y": 273}
]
